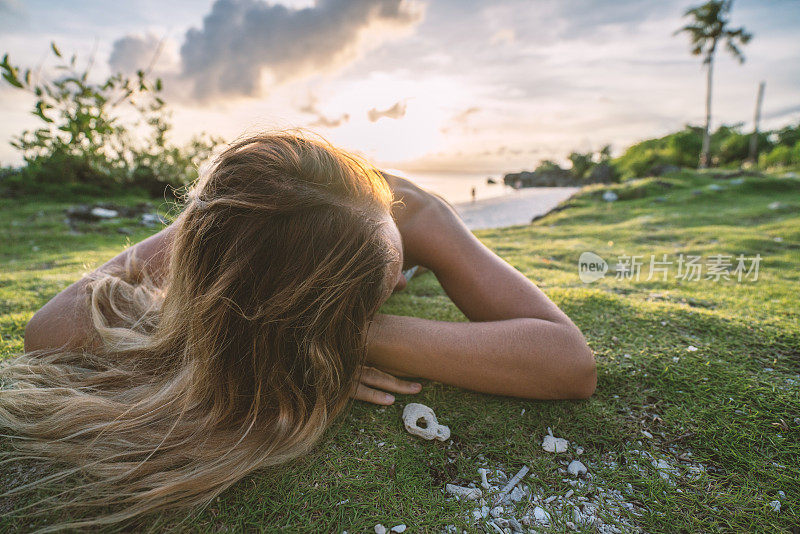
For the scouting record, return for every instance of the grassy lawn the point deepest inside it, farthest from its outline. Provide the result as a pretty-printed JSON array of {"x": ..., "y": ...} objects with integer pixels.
[{"x": 674, "y": 439}]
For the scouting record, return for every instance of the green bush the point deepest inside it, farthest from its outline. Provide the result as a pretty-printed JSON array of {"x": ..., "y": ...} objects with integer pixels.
[
  {"x": 83, "y": 140},
  {"x": 781, "y": 156}
]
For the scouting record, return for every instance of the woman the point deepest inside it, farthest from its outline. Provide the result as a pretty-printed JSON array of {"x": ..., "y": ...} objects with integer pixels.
[{"x": 231, "y": 339}]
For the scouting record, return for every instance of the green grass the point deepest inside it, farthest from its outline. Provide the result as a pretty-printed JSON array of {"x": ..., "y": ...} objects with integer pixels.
[{"x": 721, "y": 403}]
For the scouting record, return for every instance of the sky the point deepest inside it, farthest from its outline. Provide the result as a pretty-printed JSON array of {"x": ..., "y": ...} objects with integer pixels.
[{"x": 424, "y": 85}]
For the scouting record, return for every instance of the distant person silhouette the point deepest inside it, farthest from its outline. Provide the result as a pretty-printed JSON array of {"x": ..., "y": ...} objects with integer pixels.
[{"x": 474, "y": 193}]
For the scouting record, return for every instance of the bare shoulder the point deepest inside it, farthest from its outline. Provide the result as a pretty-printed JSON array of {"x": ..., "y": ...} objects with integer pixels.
[
  {"x": 411, "y": 200},
  {"x": 64, "y": 322}
]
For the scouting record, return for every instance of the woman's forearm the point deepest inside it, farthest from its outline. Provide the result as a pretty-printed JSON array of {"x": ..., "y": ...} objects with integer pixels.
[{"x": 523, "y": 357}]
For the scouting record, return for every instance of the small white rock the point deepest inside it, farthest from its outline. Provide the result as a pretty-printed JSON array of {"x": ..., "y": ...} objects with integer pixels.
[
  {"x": 569, "y": 494},
  {"x": 647, "y": 434},
  {"x": 399, "y": 528},
  {"x": 691, "y": 348},
  {"x": 553, "y": 444},
  {"x": 497, "y": 511},
  {"x": 578, "y": 450},
  {"x": 781, "y": 495},
  {"x": 103, "y": 213},
  {"x": 469, "y": 494},
  {"x": 541, "y": 515},
  {"x": 484, "y": 483},
  {"x": 775, "y": 505},
  {"x": 380, "y": 529},
  {"x": 576, "y": 468},
  {"x": 516, "y": 494}
]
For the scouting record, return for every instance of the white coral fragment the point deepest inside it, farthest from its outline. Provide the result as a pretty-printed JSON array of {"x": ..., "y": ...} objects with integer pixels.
[
  {"x": 469, "y": 494},
  {"x": 421, "y": 421},
  {"x": 576, "y": 468},
  {"x": 554, "y": 444}
]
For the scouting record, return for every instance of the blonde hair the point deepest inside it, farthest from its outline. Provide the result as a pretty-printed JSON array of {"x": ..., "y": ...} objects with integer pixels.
[{"x": 241, "y": 358}]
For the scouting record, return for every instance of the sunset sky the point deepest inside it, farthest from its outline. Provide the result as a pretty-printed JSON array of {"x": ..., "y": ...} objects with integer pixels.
[{"x": 456, "y": 85}]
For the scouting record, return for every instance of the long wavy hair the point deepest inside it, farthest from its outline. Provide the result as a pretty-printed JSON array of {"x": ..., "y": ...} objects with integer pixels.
[{"x": 239, "y": 359}]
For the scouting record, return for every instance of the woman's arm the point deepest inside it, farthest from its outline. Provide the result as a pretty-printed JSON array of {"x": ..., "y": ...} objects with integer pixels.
[
  {"x": 66, "y": 322},
  {"x": 519, "y": 343}
]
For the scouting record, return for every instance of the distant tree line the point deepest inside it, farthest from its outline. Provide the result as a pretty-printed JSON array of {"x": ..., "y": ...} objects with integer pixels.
[{"x": 728, "y": 145}]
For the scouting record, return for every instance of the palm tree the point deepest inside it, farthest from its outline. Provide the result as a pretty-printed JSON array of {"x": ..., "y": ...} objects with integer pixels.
[{"x": 707, "y": 29}]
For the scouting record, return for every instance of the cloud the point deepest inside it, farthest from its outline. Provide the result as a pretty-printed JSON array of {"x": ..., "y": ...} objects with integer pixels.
[
  {"x": 327, "y": 122},
  {"x": 462, "y": 116},
  {"x": 397, "y": 111},
  {"x": 12, "y": 14},
  {"x": 321, "y": 119},
  {"x": 134, "y": 52},
  {"x": 240, "y": 40},
  {"x": 506, "y": 35}
]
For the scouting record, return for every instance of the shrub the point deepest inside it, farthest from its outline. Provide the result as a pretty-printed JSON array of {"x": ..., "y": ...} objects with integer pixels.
[
  {"x": 781, "y": 156},
  {"x": 82, "y": 138}
]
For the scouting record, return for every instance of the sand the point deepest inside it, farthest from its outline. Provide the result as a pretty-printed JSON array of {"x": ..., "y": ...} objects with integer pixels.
[{"x": 516, "y": 208}]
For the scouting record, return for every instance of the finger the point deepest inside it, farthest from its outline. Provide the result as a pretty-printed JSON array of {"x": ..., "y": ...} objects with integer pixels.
[
  {"x": 379, "y": 379},
  {"x": 373, "y": 395}
]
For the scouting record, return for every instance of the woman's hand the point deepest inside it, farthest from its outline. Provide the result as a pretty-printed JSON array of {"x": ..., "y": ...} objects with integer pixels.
[{"x": 374, "y": 384}]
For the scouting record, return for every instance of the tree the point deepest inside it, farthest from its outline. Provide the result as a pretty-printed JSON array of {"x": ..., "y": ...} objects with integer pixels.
[
  {"x": 708, "y": 28},
  {"x": 581, "y": 164}
]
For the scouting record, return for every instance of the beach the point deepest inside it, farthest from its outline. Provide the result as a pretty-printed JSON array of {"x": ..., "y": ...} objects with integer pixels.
[{"x": 518, "y": 207}]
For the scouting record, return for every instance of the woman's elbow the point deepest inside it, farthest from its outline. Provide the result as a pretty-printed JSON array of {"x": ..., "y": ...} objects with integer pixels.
[
  {"x": 584, "y": 381},
  {"x": 578, "y": 371},
  {"x": 586, "y": 376}
]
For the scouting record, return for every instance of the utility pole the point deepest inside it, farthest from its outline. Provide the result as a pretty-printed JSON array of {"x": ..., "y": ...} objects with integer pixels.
[{"x": 753, "y": 157}]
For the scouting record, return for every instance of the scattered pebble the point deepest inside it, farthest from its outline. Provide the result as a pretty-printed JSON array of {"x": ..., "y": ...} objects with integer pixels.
[
  {"x": 775, "y": 505},
  {"x": 399, "y": 528},
  {"x": 516, "y": 494},
  {"x": 103, "y": 213},
  {"x": 578, "y": 450},
  {"x": 541, "y": 515},
  {"x": 470, "y": 494},
  {"x": 647, "y": 434},
  {"x": 554, "y": 444},
  {"x": 576, "y": 468},
  {"x": 484, "y": 483},
  {"x": 497, "y": 511},
  {"x": 691, "y": 348},
  {"x": 380, "y": 529},
  {"x": 515, "y": 526}
]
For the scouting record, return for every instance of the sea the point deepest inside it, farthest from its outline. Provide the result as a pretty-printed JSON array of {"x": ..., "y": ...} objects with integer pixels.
[{"x": 456, "y": 187}]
